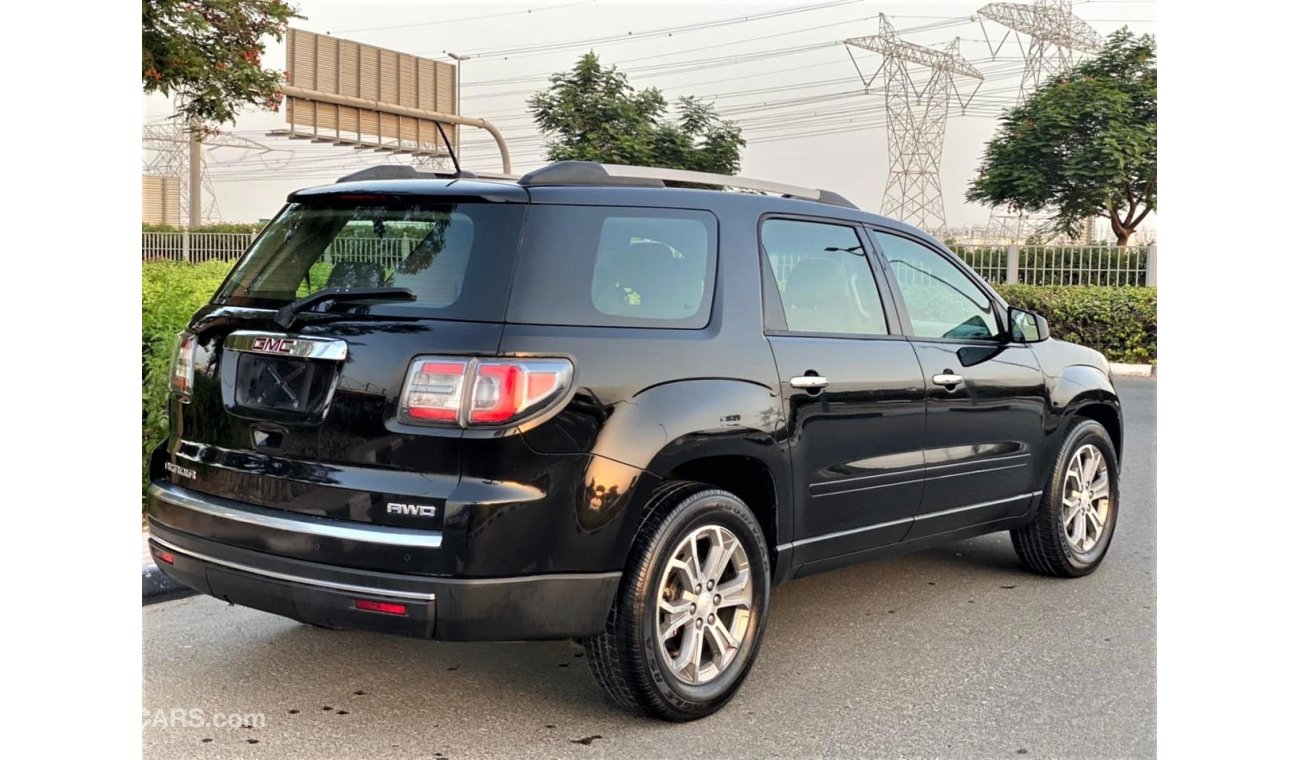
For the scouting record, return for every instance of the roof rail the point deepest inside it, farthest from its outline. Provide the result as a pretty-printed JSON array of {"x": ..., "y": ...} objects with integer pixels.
[{"x": 592, "y": 173}]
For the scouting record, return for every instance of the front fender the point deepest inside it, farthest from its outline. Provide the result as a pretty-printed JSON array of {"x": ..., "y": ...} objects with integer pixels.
[{"x": 1075, "y": 387}]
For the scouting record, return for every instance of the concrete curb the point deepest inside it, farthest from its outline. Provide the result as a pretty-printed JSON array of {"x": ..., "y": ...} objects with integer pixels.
[{"x": 1133, "y": 370}]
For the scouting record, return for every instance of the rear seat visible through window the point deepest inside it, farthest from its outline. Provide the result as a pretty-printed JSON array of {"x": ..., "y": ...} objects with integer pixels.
[{"x": 615, "y": 267}]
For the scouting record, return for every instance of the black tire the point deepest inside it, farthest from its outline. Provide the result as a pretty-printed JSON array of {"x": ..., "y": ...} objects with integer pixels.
[
  {"x": 1043, "y": 545},
  {"x": 625, "y": 658}
]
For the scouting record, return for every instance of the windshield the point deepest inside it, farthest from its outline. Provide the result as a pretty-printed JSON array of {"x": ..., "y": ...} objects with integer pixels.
[{"x": 455, "y": 258}]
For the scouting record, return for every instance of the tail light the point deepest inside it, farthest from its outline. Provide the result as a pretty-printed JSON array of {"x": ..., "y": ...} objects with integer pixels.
[
  {"x": 183, "y": 366},
  {"x": 482, "y": 391}
]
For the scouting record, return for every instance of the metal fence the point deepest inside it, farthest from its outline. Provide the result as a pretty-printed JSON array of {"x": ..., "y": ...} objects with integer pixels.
[
  {"x": 194, "y": 247},
  {"x": 388, "y": 253},
  {"x": 1063, "y": 265},
  {"x": 1032, "y": 265},
  {"x": 199, "y": 247}
]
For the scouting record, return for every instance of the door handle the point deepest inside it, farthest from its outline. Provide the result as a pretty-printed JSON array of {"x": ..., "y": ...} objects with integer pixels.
[
  {"x": 947, "y": 378},
  {"x": 809, "y": 381}
]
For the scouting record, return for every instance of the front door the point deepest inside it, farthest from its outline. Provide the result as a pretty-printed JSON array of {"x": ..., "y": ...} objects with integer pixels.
[
  {"x": 985, "y": 397},
  {"x": 852, "y": 389}
]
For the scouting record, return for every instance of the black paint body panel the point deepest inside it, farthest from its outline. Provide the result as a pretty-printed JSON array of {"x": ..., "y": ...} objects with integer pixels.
[{"x": 881, "y": 460}]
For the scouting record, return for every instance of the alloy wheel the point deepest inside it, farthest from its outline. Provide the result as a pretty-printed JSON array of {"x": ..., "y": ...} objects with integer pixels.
[
  {"x": 1085, "y": 499},
  {"x": 704, "y": 604}
]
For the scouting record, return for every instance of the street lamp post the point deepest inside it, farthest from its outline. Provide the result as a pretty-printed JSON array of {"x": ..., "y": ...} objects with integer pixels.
[{"x": 460, "y": 59}]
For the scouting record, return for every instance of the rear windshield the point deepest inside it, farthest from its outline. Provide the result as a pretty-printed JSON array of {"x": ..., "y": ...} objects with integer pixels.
[{"x": 456, "y": 258}]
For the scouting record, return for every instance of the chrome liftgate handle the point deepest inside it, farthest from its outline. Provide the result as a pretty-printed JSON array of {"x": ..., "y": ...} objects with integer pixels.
[{"x": 809, "y": 381}]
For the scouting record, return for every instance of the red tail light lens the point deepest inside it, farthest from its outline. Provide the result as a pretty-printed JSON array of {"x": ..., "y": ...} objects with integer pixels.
[
  {"x": 497, "y": 392},
  {"x": 482, "y": 392},
  {"x": 182, "y": 378}
]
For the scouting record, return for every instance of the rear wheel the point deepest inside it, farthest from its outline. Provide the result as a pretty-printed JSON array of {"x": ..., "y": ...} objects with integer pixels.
[
  {"x": 686, "y": 625},
  {"x": 1076, "y": 514}
]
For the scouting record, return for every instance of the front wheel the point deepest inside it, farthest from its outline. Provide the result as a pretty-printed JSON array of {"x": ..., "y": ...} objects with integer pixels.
[
  {"x": 685, "y": 628},
  {"x": 1077, "y": 513}
]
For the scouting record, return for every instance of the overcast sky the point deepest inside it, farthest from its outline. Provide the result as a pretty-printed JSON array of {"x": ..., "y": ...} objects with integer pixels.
[{"x": 749, "y": 68}]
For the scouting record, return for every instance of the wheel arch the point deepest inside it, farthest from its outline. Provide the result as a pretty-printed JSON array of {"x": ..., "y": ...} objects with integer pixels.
[
  {"x": 1085, "y": 391},
  {"x": 721, "y": 433}
]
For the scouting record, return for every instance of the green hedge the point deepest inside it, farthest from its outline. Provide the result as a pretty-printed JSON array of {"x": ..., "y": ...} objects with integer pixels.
[
  {"x": 171, "y": 292},
  {"x": 1119, "y": 322},
  {"x": 220, "y": 227}
]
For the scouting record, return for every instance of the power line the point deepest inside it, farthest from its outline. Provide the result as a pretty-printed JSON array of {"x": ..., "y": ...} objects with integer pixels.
[
  {"x": 444, "y": 22},
  {"x": 668, "y": 31}
]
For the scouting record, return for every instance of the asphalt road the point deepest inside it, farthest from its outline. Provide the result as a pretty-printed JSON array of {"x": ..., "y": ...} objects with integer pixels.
[{"x": 952, "y": 652}]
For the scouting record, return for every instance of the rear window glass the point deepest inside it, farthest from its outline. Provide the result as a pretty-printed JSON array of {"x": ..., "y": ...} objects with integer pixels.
[
  {"x": 455, "y": 258},
  {"x": 615, "y": 267}
]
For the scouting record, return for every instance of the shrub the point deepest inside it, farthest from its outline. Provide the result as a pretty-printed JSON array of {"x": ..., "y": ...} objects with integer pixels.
[
  {"x": 171, "y": 293},
  {"x": 218, "y": 227},
  {"x": 1119, "y": 322}
]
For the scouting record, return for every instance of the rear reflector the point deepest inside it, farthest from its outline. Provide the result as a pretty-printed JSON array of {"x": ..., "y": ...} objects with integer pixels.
[
  {"x": 482, "y": 392},
  {"x": 166, "y": 557},
  {"x": 388, "y": 608}
]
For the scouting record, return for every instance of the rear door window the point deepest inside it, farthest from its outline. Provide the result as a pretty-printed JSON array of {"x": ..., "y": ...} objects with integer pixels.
[
  {"x": 615, "y": 267},
  {"x": 824, "y": 282}
]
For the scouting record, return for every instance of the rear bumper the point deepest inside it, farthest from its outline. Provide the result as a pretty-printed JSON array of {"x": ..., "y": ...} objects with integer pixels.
[{"x": 557, "y": 606}]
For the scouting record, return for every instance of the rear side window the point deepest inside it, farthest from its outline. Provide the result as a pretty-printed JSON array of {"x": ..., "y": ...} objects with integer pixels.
[
  {"x": 455, "y": 258},
  {"x": 615, "y": 267}
]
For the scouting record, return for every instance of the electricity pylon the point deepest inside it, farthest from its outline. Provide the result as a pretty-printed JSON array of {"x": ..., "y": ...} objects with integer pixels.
[
  {"x": 1057, "y": 38},
  {"x": 170, "y": 148},
  {"x": 916, "y": 121}
]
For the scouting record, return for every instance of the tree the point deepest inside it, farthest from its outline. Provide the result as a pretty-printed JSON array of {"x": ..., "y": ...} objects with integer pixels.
[
  {"x": 1084, "y": 144},
  {"x": 209, "y": 54},
  {"x": 592, "y": 113}
]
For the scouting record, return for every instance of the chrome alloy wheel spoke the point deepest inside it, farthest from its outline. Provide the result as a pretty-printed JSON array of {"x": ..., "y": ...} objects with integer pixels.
[
  {"x": 704, "y": 604},
  {"x": 1085, "y": 499}
]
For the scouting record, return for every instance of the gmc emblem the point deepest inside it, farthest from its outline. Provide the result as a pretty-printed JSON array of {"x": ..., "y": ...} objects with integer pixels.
[
  {"x": 274, "y": 345},
  {"x": 416, "y": 510}
]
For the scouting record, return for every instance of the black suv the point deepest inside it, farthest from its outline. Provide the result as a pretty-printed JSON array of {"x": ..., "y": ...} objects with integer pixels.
[{"x": 586, "y": 404}]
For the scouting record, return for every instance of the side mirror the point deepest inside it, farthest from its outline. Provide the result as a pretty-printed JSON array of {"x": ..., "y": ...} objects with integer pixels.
[{"x": 1026, "y": 326}]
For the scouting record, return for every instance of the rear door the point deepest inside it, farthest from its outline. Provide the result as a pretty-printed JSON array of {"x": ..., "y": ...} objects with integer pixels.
[
  {"x": 306, "y": 417},
  {"x": 985, "y": 397},
  {"x": 852, "y": 388}
]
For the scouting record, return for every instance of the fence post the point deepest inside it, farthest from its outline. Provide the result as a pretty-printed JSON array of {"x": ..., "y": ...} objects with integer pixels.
[
  {"x": 1151, "y": 265},
  {"x": 1013, "y": 264},
  {"x": 185, "y": 246}
]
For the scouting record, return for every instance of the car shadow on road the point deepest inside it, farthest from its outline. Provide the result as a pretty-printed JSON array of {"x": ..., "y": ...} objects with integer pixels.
[{"x": 386, "y": 679}]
